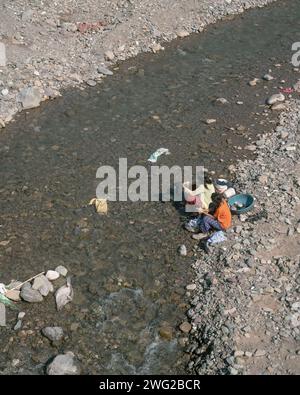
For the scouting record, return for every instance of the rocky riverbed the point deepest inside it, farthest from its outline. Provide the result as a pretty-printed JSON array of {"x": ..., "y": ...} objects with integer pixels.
[
  {"x": 245, "y": 309},
  {"x": 128, "y": 312},
  {"x": 55, "y": 45}
]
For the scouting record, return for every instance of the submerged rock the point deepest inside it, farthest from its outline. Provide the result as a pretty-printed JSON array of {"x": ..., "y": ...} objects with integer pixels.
[
  {"x": 103, "y": 70},
  {"x": 185, "y": 327},
  {"x": 166, "y": 332},
  {"x": 53, "y": 333}
]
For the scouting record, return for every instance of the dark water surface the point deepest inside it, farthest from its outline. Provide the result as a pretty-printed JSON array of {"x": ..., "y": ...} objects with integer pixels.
[{"x": 128, "y": 278}]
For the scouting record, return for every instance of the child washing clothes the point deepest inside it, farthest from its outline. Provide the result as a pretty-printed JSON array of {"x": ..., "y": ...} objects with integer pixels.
[
  {"x": 200, "y": 203},
  {"x": 216, "y": 218}
]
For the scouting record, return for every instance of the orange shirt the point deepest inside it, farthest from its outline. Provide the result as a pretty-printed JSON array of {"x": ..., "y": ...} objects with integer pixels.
[{"x": 223, "y": 215}]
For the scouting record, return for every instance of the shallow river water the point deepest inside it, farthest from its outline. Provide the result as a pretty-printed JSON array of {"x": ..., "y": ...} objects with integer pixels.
[{"x": 128, "y": 278}]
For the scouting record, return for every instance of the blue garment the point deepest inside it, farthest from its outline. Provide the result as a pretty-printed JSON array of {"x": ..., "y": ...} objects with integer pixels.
[
  {"x": 217, "y": 237},
  {"x": 207, "y": 223}
]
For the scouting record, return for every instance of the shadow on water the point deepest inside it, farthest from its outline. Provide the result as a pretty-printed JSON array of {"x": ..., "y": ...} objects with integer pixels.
[{"x": 128, "y": 278}]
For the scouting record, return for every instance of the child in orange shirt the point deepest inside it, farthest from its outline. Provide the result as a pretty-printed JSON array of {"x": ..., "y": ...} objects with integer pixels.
[
  {"x": 218, "y": 217},
  {"x": 222, "y": 213}
]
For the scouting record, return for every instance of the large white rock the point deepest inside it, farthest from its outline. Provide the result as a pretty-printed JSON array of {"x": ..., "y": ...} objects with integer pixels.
[
  {"x": 29, "y": 97},
  {"x": 276, "y": 98},
  {"x": 61, "y": 270},
  {"x": 43, "y": 285},
  {"x": 63, "y": 364},
  {"x": 52, "y": 275}
]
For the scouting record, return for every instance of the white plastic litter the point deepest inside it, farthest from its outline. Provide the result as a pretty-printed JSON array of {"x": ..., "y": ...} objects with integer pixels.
[
  {"x": 229, "y": 193},
  {"x": 161, "y": 151},
  {"x": 2, "y": 289}
]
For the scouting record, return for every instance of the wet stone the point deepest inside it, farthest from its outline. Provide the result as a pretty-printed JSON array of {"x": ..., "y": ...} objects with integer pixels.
[
  {"x": 13, "y": 295},
  {"x": 63, "y": 364},
  {"x": 185, "y": 327},
  {"x": 268, "y": 77},
  {"x": 53, "y": 333},
  {"x": 91, "y": 83},
  {"x": 61, "y": 270},
  {"x": 18, "y": 325},
  {"x": 52, "y": 275},
  {"x": 276, "y": 98},
  {"x": 21, "y": 315},
  {"x": 253, "y": 82},
  {"x": 191, "y": 287},
  {"x": 43, "y": 285},
  {"x": 103, "y": 70},
  {"x": 30, "y": 295},
  {"x": 182, "y": 250},
  {"x": 166, "y": 332}
]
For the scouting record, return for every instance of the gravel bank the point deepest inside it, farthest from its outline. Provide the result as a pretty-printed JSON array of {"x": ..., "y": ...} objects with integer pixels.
[
  {"x": 56, "y": 45},
  {"x": 245, "y": 310}
]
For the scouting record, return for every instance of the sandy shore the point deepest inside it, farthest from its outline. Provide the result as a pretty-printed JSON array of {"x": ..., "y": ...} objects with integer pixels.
[{"x": 53, "y": 46}]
